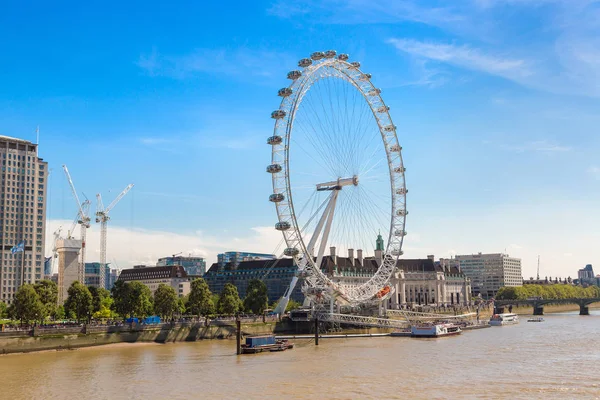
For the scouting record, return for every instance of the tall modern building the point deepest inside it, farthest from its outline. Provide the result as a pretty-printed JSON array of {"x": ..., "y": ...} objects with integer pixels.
[
  {"x": 490, "y": 272},
  {"x": 195, "y": 266},
  {"x": 23, "y": 188},
  {"x": 92, "y": 275},
  {"x": 586, "y": 273},
  {"x": 234, "y": 258}
]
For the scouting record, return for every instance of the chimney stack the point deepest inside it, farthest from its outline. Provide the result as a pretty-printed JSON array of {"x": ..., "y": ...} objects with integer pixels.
[
  {"x": 360, "y": 257},
  {"x": 332, "y": 251},
  {"x": 351, "y": 256},
  {"x": 431, "y": 257}
]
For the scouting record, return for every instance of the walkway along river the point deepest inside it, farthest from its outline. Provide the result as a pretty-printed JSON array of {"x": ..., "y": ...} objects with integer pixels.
[{"x": 558, "y": 358}]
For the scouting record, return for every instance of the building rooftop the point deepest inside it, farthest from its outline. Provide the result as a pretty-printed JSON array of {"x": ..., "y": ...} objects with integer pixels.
[
  {"x": 12, "y": 139},
  {"x": 167, "y": 272},
  {"x": 344, "y": 264}
]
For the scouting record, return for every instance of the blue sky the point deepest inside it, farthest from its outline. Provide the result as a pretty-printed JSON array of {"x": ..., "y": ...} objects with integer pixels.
[{"x": 496, "y": 102}]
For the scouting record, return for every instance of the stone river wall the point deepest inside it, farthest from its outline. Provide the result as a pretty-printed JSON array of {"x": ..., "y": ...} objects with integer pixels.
[{"x": 39, "y": 339}]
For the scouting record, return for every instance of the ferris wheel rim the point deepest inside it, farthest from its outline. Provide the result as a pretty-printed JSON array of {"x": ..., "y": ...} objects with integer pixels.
[{"x": 284, "y": 121}]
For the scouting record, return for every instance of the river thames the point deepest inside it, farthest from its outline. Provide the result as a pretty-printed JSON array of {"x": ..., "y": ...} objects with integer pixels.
[{"x": 559, "y": 358}]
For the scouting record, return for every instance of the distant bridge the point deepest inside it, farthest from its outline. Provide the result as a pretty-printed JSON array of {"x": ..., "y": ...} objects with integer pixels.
[{"x": 538, "y": 304}]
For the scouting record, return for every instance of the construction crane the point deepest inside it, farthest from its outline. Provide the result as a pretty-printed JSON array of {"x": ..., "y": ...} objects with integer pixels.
[
  {"x": 102, "y": 217},
  {"x": 84, "y": 221}
]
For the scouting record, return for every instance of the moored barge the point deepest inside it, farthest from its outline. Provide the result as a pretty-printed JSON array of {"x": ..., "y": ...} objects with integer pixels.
[{"x": 260, "y": 343}]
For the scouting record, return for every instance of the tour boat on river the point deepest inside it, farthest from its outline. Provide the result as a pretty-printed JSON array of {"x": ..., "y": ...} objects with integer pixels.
[
  {"x": 260, "y": 343},
  {"x": 434, "y": 330},
  {"x": 504, "y": 319}
]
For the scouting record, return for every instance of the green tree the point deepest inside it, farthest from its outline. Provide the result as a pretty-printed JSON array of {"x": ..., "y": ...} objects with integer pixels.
[
  {"x": 166, "y": 302},
  {"x": 140, "y": 298},
  {"x": 100, "y": 296},
  {"x": 256, "y": 300},
  {"x": 3, "y": 310},
  {"x": 59, "y": 313},
  {"x": 27, "y": 306},
  {"x": 121, "y": 298},
  {"x": 48, "y": 293},
  {"x": 229, "y": 300},
  {"x": 79, "y": 301},
  {"x": 292, "y": 305},
  {"x": 200, "y": 300}
]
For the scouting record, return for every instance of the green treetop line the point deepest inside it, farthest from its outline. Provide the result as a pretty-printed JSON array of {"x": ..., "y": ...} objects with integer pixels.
[
  {"x": 39, "y": 302},
  {"x": 547, "y": 292}
]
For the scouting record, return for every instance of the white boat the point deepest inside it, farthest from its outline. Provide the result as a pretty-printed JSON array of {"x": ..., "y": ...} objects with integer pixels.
[
  {"x": 434, "y": 330},
  {"x": 504, "y": 319},
  {"x": 536, "y": 319}
]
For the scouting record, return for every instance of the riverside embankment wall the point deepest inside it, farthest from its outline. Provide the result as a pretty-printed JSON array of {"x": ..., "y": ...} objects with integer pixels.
[{"x": 88, "y": 335}]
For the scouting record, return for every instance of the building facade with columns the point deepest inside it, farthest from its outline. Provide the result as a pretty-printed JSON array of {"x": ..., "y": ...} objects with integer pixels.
[{"x": 416, "y": 282}]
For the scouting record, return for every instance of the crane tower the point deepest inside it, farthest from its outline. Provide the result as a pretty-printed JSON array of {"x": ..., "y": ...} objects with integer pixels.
[
  {"x": 83, "y": 219},
  {"x": 102, "y": 217}
]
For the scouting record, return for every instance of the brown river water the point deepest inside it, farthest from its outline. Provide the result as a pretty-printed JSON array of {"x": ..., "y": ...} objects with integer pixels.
[{"x": 556, "y": 359}]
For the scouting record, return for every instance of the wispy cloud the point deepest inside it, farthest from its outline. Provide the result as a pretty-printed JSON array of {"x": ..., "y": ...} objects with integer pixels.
[
  {"x": 153, "y": 141},
  {"x": 594, "y": 171},
  {"x": 242, "y": 63},
  {"x": 239, "y": 143},
  {"x": 365, "y": 11},
  {"x": 132, "y": 246},
  {"x": 540, "y": 146},
  {"x": 466, "y": 57}
]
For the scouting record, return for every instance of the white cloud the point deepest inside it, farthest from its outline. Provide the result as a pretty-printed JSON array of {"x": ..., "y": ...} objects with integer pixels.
[
  {"x": 153, "y": 141},
  {"x": 594, "y": 171},
  {"x": 242, "y": 63},
  {"x": 465, "y": 57},
  {"x": 540, "y": 146},
  {"x": 127, "y": 247}
]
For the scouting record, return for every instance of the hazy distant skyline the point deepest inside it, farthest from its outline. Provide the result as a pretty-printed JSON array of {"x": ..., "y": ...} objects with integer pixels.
[{"x": 496, "y": 103}]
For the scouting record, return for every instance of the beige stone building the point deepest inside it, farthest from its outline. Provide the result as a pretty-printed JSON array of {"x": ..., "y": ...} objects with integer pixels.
[
  {"x": 172, "y": 275},
  {"x": 490, "y": 272},
  {"x": 23, "y": 188},
  {"x": 416, "y": 282},
  {"x": 68, "y": 265}
]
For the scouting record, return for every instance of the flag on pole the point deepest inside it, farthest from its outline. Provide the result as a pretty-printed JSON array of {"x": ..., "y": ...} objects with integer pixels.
[{"x": 18, "y": 248}]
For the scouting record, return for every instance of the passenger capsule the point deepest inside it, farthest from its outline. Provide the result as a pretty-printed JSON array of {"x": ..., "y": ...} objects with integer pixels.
[
  {"x": 401, "y": 191},
  {"x": 397, "y": 252},
  {"x": 278, "y": 114},
  {"x": 355, "y": 65},
  {"x": 274, "y": 140},
  {"x": 274, "y": 168},
  {"x": 396, "y": 148},
  {"x": 293, "y": 75},
  {"x": 402, "y": 213},
  {"x": 400, "y": 233},
  {"x": 400, "y": 170},
  {"x": 291, "y": 252},
  {"x": 383, "y": 109},
  {"x": 343, "y": 57},
  {"x": 389, "y": 128},
  {"x": 305, "y": 62},
  {"x": 374, "y": 92},
  {"x": 276, "y": 197},
  {"x": 330, "y": 53},
  {"x": 285, "y": 92},
  {"x": 283, "y": 226},
  {"x": 364, "y": 77},
  {"x": 317, "y": 55}
]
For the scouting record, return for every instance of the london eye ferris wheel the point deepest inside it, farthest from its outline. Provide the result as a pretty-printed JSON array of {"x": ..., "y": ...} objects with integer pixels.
[{"x": 338, "y": 177}]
